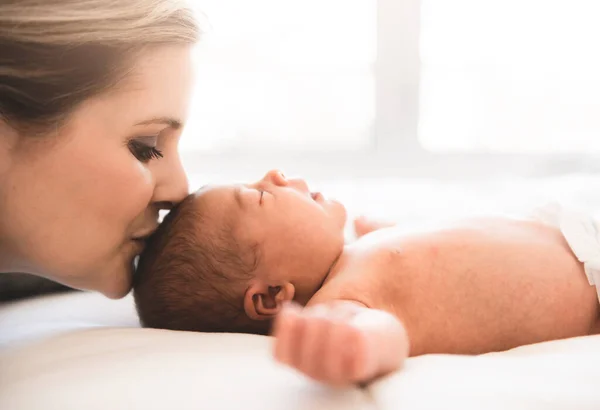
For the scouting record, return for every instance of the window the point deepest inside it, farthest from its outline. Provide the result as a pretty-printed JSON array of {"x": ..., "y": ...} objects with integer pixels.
[
  {"x": 423, "y": 87},
  {"x": 285, "y": 75},
  {"x": 510, "y": 75}
]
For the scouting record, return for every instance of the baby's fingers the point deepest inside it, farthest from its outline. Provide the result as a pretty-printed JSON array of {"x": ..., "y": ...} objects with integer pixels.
[
  {"x": 338, "y": 355},
  {"x": 288, "y": 332},
  {"x": 315, "y": 343},
  {"x": 360, "y": 359}
]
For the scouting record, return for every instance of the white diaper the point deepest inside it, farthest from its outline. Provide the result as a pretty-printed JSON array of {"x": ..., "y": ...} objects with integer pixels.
[{"x": 581, "y": 232}]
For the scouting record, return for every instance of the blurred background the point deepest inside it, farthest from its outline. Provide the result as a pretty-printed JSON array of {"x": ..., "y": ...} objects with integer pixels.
[{"x": 402, "y": 109}]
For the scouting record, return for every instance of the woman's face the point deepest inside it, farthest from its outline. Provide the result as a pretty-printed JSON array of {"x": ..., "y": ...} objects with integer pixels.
[{"x": 75, "y": 205}]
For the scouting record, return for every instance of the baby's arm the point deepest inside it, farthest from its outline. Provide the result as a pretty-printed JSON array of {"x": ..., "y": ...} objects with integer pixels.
[{"x": 341, "y": 342}]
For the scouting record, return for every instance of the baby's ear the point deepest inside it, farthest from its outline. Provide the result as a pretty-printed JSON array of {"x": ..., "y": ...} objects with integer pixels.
[{"x": 264, "y": 300}]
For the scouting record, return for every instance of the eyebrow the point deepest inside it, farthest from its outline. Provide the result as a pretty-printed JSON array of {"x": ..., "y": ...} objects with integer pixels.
[{"x": 170, "y": 121}]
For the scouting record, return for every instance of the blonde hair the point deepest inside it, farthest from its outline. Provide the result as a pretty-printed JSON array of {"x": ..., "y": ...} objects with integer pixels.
[{"x": 54, "y": 54}]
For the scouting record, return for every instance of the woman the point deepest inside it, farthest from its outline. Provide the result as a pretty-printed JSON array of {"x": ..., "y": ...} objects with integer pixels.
[{"x": 93, "y": 98}]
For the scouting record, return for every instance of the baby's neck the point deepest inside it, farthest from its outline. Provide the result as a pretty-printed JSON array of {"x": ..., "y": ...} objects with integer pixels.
[
  {"x": 349, "y": 253},
  {"x": 337, "y": 266}
]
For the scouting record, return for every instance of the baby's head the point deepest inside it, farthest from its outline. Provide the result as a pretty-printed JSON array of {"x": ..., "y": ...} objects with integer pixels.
[{"x": 227, "y": 257}]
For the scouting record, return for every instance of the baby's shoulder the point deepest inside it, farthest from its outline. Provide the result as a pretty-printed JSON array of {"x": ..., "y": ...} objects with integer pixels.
[{"x": 364, "y": 276}]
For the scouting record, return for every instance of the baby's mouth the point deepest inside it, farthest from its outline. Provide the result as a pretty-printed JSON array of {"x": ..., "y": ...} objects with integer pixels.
[{"x": 317, "y": 196}]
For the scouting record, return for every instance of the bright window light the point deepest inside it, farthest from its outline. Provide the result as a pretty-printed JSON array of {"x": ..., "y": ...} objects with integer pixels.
[
  {"x": 283, "y": 75},
  {"x": 510, "y": 76}
]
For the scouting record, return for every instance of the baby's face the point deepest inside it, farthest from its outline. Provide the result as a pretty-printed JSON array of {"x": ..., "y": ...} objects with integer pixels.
[{"x": 300, "y": 234}]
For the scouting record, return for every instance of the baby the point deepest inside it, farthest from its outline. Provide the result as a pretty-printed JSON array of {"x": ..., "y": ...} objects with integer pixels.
[{"x": 233, "y": 258}]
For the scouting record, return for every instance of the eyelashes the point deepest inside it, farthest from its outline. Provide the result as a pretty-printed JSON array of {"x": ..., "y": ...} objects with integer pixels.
[{"x": 143, "y": 152}]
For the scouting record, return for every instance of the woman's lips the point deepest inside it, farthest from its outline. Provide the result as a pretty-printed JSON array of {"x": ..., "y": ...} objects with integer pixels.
[
  {"x": 139, "y": 245},
  {"x": 141, "y": 240}
]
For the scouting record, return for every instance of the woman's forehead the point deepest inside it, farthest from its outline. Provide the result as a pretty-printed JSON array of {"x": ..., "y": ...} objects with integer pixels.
[{"x": 156, "y": 91}]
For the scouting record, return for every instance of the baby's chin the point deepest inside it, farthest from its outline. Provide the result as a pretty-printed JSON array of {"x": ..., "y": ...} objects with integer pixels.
[{"x": 339, "y": 211}]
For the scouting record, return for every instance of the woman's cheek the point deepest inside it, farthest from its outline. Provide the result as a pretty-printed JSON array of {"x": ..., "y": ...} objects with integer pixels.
[
  {"x": 145, "y": 185},
  {"x": 137, "y": 190}
]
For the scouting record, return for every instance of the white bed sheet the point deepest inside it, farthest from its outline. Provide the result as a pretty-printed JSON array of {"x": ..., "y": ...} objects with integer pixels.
[{"x": 83, "y": 351}]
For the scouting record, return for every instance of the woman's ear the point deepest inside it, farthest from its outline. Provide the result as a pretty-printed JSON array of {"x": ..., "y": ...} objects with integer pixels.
[{"x": 263, "y": 300}]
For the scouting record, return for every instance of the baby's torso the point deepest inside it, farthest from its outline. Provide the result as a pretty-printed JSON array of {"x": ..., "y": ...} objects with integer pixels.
[{"x": 466, "y": 288}]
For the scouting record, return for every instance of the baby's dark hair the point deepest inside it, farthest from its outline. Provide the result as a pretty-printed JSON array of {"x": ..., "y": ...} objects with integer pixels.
[{"x": 194, "y": 272}]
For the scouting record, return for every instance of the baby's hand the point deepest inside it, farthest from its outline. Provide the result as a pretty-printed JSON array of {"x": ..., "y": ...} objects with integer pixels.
[
  {"x": 340, "y": 344},
  {"x": 364, "y": 225}
]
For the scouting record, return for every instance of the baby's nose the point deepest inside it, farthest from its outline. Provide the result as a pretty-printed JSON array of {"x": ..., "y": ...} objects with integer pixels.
[
  {"x": 299, "y": 184},
  {"x": 276, "y": 177}
]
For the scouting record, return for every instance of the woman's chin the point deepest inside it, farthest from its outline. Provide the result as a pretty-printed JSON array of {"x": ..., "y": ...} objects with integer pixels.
[
  {"x": 118, "y": 287},
  {"x": 117, "y": 293}
]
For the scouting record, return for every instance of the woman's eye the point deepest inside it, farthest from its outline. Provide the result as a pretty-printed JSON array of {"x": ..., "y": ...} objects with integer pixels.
[{"x": 144, "y": 153}]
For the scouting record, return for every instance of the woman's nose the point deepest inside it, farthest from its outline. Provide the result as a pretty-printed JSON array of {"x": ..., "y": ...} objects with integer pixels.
[{"x": 172, "y": 185}]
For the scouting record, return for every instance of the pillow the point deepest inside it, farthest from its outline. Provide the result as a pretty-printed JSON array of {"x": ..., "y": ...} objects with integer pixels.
[{"x": 158, "y": 369}]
